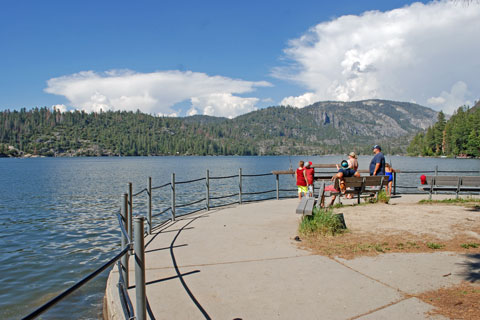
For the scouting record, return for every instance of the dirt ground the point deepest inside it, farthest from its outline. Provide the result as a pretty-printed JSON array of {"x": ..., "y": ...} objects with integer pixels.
[
  {"x": 458, "y": 302},
  {"x": 402, "y": 227},
  {"x": 407, "y": 226}
]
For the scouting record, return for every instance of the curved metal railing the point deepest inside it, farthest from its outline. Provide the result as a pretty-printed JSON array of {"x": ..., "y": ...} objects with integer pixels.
[{"x": 166, "y": 214}]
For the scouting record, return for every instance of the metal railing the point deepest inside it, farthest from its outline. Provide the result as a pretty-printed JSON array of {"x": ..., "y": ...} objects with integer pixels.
[{"x": 133, "y": 227}]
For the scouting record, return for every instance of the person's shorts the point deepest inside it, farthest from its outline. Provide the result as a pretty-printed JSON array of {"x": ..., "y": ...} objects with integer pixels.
[
  {"x": 302, "y": 189},
  {"x": 310, "y": 189},
  {"x": 348, "y": 172}
]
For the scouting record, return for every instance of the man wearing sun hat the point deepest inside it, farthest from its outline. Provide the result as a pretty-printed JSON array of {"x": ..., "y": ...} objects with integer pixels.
[{"x": 377, "y": 165}]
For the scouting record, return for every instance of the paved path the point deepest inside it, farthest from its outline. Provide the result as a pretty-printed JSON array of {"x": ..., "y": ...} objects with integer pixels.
[{"x": 241, "y": 262}]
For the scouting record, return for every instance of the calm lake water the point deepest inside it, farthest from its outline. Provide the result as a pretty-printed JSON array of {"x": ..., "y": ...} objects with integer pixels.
[{"x": 58, "y": 223}]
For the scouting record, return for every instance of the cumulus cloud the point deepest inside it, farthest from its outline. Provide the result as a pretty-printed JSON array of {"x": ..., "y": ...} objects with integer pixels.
[
  {"x": 60, "y": 107},
  {"x": 156, "y": 92},
  {"x": 300, "y": 101},
  {"x": 411, "y": 53},
  {"x": 453, "y": 99},
  {"x": 216, "y": 104}
]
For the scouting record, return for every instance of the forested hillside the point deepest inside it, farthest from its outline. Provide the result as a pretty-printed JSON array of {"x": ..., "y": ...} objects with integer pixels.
[
  {"x": 323, "y": 128},
  {"x": 459, "y": 136}
]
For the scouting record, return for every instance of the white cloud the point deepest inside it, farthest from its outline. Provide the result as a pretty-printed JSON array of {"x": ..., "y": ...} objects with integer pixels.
[
  {"x": 450, "y": 101},
  {"x": 60, "y": 107},
  {"x": 224, "y": 104},
  {"x": 300, "y": 101},
  {"x": 192, "y": 111},
  {"x": 410, "y": 53},
  {"x": 154, "y": 93}
]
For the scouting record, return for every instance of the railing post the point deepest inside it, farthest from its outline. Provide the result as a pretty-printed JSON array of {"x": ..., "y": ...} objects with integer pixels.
[
  {"x": 130, "y": 209},
  {"x": 394, "y": 183},
  {"x": 141, "y": 309},
  {"x": 436, "y": 174},
  {"x": 240, "y": 186},
  {"x": 124, "y": 260},
  {"x": 278, "y": 187},
  {"x": 173, "y": 196},
  {"x": 149, "y": 205},
  {"x": 207, "y": 185}
]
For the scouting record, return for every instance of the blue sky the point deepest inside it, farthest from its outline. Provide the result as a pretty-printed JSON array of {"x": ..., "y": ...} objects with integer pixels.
[{"x": 248, "y": 45}]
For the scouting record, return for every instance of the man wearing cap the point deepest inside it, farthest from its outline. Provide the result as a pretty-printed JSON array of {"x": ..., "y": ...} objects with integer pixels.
[{"x": 377, "y": 165}]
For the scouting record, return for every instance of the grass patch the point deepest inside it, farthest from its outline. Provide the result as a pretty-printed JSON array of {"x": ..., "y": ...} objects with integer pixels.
[
  {"x": 470, "y": 245},
  {"x": 435, "y": 246},
  {"x": 382, "y": 198},
  {"x": 321, "y": 222}
]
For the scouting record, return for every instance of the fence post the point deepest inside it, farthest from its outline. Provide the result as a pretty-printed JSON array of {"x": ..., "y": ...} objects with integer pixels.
[
  {"x": 124, "y": 260},
  {"x": 207, "y": 185},
  {"x": 173, "y": 196},
  {"x": 240, "y": 186},
  {"x": 140, "y": 270},
  {"x": 278, "y": 187},
  {"x": 436, "y": 174},
  {"x": 394, "y": 183},
  {"x": 130, "y": 209},
  {"x": 149, "y": 205}
]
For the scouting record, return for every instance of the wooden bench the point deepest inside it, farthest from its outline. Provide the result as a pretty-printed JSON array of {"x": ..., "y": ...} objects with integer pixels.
[
  {"x": 355, "y": 186},
  {"x": 455, "y": 184},
  {"x": 305, "y": 206}
]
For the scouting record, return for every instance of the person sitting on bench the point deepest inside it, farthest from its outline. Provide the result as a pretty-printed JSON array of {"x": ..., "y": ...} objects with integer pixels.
[{"x": 344, "y": 171}]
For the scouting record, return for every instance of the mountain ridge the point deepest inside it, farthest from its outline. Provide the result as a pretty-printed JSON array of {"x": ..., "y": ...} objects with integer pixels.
[{"x": 324, "y": 127}]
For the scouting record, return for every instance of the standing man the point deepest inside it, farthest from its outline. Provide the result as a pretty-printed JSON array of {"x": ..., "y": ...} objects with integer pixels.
[{"x": 377, "y": 165}]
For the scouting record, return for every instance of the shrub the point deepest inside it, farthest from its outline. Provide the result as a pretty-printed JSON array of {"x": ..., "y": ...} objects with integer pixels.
[
  {"x": 383, "y": 197},
  {"x": 323, "y": 222}
]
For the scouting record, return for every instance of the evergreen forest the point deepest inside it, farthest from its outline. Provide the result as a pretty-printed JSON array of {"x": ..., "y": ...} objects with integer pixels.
[{"x": 458, "y": 136}]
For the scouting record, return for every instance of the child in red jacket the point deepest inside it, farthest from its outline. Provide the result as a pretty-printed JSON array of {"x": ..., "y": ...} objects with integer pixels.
[{"x": 301, "y": 180}]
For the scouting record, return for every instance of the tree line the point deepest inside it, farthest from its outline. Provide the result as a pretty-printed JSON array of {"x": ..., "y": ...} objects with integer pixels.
[
  {"x": 457, "y": 136},
  {"x": 271, "y": 131}
]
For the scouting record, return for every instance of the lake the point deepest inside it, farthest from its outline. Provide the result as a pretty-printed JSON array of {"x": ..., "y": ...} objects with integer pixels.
[{"x": 58, "y": 214}]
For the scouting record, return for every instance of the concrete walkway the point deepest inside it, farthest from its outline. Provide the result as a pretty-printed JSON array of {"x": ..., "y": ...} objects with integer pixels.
[{"x": 242, "y": 262}]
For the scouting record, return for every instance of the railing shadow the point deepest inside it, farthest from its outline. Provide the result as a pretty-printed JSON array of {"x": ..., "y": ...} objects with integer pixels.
[{"x": 180, "y": 275}]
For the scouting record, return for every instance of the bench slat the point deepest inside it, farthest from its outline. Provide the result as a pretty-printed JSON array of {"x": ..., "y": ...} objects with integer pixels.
[
  {"x": 301, "y": 206},
  {"x": 309, "y": 207},
  {"x": 470, "y": 181}
]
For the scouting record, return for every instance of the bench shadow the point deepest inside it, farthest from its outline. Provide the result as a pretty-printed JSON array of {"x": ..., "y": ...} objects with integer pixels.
[
  {"x": 472, "y": 268},
  {"x": 474, "y": 209}
]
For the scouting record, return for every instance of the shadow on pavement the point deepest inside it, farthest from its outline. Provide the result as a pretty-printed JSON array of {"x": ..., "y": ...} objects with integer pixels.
[{"x": 472, "y": 268}]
